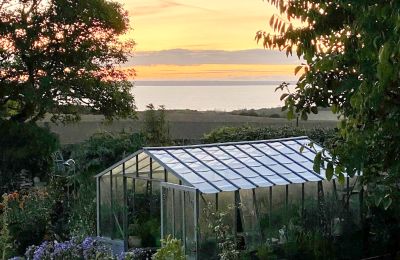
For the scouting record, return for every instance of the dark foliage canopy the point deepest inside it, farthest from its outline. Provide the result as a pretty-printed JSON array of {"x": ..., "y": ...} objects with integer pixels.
[
  {"x": 24, "y": 146},
  {"x": 58, "y": 55},
  {"x": 351, "y": 49}
]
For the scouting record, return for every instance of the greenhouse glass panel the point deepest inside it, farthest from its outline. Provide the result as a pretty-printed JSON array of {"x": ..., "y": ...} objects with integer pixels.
[
  {"x": 295, "y": 200},
  {"x": 207, "y": 239},
  {"x": 168, "y": 212},
  {"x": 263, "y": 202},
  {"x": 118, "y": 204},
  {"x": 250, "y": 220},
  {"x": 310, "y": 200},
  {"x": 178, "y": 216},
  {"x": 105, "y": 206},
  {"x": 279, "y": 216}
]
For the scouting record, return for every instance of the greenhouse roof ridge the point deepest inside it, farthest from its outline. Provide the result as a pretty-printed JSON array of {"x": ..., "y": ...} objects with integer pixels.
[{"x": 231, "y": 166}]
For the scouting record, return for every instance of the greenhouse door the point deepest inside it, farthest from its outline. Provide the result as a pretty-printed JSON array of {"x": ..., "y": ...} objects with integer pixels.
[{"x": 178, "y": 216}]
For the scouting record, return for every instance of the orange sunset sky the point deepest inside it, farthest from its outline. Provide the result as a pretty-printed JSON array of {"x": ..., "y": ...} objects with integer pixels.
[{"x": 203, "y": 40}]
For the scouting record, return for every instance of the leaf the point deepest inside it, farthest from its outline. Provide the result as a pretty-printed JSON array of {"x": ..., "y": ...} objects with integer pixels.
[
  {"x": 290, "y": 114},
  {"x": 378, "y": 200},
  {"x": 317, "y": 162},
  {"x": 271, "y": 21},
  {"x": 329, "y": 171},
  {"x": 284, "y": 96},
  {"x": 297, "y": 69},
  {"x": 387, "y": 203},
  {"x": 314, "y": 110},
  {"x": 304, "y": 115},
  {"x": 338, "y": 170},
  {"x": 341, "y": 178}
]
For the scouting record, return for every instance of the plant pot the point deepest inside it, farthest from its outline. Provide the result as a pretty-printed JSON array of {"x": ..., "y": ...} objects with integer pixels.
[{"x": 134, "y": 241}]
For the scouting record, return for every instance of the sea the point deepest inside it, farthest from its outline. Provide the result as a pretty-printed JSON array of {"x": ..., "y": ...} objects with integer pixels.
[{"x": 209, "y": 95}]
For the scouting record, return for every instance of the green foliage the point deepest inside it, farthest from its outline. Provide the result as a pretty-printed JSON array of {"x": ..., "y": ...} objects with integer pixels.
[
  {"x": 24, "y": 146},
  {"x": 171, "y": 250},
  {"x": 6, "y": 245},
  {"x": 156, "y": 128},
  {"x": 60, "y": 55},
  {"x": 322, "y": 230},
  {"x": 217, "y": 225},
  {"x": 29, "y": 217},
  {"x": 104, "y": 149},
  {"x": 91, "y": 157},
  {"x": 352, "y": 66},
  {"x": 230, "y": 134}
]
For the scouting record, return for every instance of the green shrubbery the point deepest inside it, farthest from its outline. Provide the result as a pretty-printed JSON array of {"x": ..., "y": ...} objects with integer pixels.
[
  {"x": 24, "y": 147},
  {"x": 29, "y": 217},
  {"x": 247, "y": 133},
  {"x": 91, "y": 157}
]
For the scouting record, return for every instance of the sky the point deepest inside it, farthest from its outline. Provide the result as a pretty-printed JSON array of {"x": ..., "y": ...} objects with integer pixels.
[{"x": 203, "y": 40}]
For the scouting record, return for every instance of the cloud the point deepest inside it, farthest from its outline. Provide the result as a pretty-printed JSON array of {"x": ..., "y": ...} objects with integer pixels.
[
  {"x": 194, "y": 57},
  {"x": 215, "y": 71},
  {"x": 163, "y": 5}
]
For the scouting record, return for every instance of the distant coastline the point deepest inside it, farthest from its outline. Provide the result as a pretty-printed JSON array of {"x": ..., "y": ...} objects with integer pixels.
[{"x": 209, "y": 82}]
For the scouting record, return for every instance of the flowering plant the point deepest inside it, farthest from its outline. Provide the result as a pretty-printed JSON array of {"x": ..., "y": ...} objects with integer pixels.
[{"x": 89, "y": 248}]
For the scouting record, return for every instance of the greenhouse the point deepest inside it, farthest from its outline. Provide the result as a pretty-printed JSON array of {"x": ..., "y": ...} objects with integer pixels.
[{"x": 161, "y": 191}]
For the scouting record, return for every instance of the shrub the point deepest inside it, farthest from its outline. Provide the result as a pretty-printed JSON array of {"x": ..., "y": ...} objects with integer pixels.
[
  {"x": 24, "y": 146},
  {"x": 156, "y": 128},
  {"x": 275, "y": 115},
  {"x": 227, "y": 249},
  {"x": 137, "y": 254},
  {"x": 89, "y": 248},
  {"x": 247, "y": 133},
  {"x": 92, "y": 156},
  {"x": 102, "y": 150},
  {"x": 171, "y": 250},
  {"x": 28, "y": 217}
]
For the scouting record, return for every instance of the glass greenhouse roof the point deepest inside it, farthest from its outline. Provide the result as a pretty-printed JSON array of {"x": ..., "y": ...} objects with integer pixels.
[{"x": 213, "y": 168}]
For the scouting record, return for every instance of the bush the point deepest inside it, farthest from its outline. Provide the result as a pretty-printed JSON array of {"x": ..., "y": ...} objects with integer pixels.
[
  {"x": 24, "y": 146},
  {"x": 172, "y": 249},
  {"x": 156, "y": 127},
  {"x": 230, "y": 134},
  {"x": 91, "y": 157},
  {"x": 275, "y": 115},
  {"x": 102, "y": 150},
  {"x": 89, "y": 248},
  {"x": 28, "y": 218}
]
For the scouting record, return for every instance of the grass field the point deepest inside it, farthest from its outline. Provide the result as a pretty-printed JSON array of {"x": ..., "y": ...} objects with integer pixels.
[{"x": 184, "y": 124}]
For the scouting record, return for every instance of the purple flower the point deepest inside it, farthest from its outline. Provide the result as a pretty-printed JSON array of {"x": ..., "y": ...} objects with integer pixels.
[
  {"x": 42, "y": 251},
  {"x": 30, "y": 251},
  {"x": 61, "y": 248}
]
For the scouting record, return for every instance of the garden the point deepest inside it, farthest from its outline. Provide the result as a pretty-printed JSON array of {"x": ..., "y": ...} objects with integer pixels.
[
  {"x": 60, "y": 59},
  {"x": 56, "y": 218}
]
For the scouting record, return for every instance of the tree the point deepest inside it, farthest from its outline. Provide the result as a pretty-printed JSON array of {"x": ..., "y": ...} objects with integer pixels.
[
  {"x": 59, "y": 55},
  {"x": 156, "y": 128},
  {"x": 351, "y": 52}
]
